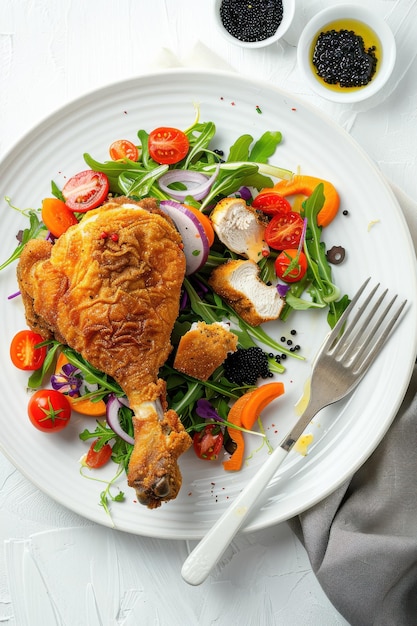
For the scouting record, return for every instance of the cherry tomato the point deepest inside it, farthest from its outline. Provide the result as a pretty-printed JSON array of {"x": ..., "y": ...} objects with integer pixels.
[
  {"x": 86, "y": 190},
  {"x": 23, "y": 351},
  {"x": 271, "y": 202},
  {"x": 123, "y": 149},
  {"x": 208, "y": 442},
  {"x": 49, "y": 410},
  {"x": 56, "y": 216},
  {"x": 284, "y": 231},
  {"x": 167, "y": 145},
  {"x": 97, "y": 458},
  {"x": 285, "y": 259}
]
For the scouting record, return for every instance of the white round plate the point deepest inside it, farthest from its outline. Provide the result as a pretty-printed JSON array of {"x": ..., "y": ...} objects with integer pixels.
[{"x": 377, "y": 242}]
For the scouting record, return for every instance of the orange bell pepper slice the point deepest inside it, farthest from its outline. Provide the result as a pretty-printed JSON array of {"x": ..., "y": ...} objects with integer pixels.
[
  {"x": 244, "y": 413},
  {"x": 305, "y": 185}
]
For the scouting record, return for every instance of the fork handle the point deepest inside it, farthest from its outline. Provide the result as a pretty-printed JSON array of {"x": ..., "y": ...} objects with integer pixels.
[{"x": 205, "y": 555}]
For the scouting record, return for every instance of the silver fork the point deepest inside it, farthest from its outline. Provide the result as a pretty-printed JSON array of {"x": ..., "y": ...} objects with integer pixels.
[{"x": 342, "y": 361}]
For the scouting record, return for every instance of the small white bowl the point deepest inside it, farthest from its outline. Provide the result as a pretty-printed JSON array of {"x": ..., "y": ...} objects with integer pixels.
[
  {"x": 288, "y": 7},
  {"x": 386, "y": 54}
]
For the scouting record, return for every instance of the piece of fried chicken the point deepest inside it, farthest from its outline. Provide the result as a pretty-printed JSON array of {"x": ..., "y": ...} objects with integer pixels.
[{"x": 110, "y": 288}]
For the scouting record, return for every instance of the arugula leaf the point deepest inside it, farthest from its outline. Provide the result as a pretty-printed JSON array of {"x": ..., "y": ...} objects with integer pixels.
[
  {"x": 37, "y": 377},
  {"x": 94, "y": 375},
  {"x": 134, "y": 184},
  {"x": 36, "y": 230},
  {"x": 199, "y": 143},
  {"x": 56, "y": 191},
  {"x": 322, "y": 289},
  {"x": 239, "y": 151},
  {"x": 265, "y": 147},
  {"x": 318, "y": 281}
]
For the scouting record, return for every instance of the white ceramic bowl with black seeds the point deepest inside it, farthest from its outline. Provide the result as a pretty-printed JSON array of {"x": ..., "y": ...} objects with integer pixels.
[
  {"x": 253, "y": 24},
  {"x": 355, "y": 80}
]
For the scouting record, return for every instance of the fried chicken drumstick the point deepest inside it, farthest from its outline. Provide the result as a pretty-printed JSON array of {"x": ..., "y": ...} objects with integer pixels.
[{"x": 109, "y": 288}]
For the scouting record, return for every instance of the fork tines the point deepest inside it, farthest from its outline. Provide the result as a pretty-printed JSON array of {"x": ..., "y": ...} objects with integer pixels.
[{"x": 358, "y": 340}]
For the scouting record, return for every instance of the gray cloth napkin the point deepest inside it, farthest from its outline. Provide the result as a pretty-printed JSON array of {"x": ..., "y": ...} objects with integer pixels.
[{"x": 362, "y": 539}]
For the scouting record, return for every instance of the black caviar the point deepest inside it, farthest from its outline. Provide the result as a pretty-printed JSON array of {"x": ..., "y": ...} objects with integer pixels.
[
  {"x": 340, "y": 58},
  {"x": 251, "y": 20},
  {"x": 246, "y": 365}
]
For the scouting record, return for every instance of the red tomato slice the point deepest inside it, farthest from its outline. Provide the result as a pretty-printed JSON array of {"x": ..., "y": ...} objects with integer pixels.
[
  {"x": 284, "y": 231},
  {"x": 271, "y": 202},
  {"x": 23, "y": 352},
  {"x": 123, "y": 149},
  {"x": 49, "y": 410},
  {"x": 285, "y": 259},
  {"x": 86, "y": 190},
  {"x": 56, "y": 216},
  {"x": 208, "y": 442},
  {"x": 95, "y": 459},
  {"x": 167, "y": 145}
]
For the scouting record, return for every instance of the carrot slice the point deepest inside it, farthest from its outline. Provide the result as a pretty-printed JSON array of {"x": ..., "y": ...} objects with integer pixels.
[
  {"x": 205, "y": 222},
  {"x": 244, "y": 413},
  {"x": 305, "y": 185},
  {"x": 234, "y": 417},
  {"x": 258, "y": 400},
  {"x": 88, "y": 407},
  {"x": 83, "y": 406},
  {"x": 56, "y": 216}
]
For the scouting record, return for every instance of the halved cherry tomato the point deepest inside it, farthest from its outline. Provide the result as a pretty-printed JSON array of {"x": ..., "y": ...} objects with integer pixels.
[
  {"x": 23, "y": 351},
  {"x": 123, "y": 149},
  {"x": 287, "y": 258},
  {"x": 205, "y": 222},
  {"x": 86, "y": 190},
  {"x": 271, "y": 202},
  {"x": 208, "y": 442},
  {"x": 167, "y": 145},
  {"x": 49, "y": 410},
  {"x": 56, "y": 216},
  {"x": 97, "y": 458},
  {"x": 284, "y": 231}
]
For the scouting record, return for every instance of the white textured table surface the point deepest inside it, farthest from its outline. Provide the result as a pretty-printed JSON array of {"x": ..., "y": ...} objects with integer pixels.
[{"x": 55, "y": 567}]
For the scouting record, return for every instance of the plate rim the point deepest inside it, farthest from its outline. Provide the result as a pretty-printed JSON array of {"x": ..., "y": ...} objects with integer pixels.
[{"x": 53, "y": 116}]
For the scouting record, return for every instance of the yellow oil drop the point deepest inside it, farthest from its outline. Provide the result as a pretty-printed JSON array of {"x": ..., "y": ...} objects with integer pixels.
[{"x": 302, "y": 444}]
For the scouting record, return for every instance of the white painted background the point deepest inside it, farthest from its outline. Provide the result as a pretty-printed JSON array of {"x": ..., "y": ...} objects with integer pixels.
[{"x": 55, "y": 567}]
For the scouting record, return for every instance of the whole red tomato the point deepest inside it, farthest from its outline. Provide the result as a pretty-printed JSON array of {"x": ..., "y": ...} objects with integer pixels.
[
  {"x": 49, "y": 410},
  {"x": 291, "y": 265}
]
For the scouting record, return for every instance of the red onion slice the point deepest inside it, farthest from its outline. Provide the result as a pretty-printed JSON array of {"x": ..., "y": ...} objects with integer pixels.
[
  {"x": 193, "y": 235},
  {"x": 112, "y": 417},
  {"x": 200, "y": 183}
]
